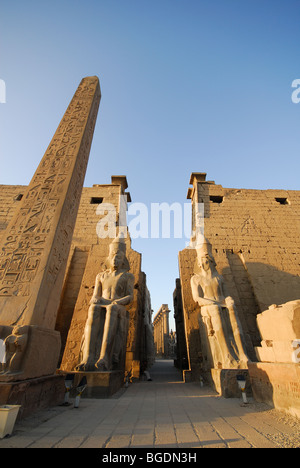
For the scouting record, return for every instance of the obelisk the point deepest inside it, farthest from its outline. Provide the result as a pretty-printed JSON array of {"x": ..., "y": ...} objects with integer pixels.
[{"x": 35, "y": 246}]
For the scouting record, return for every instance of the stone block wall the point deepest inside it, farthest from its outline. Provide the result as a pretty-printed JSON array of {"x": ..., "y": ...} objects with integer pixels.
[
  {"x": 87, "y": 253},
  {"x": 181, "y": 361},
  {"x": 275, "y": 379},
  {"x": 255, "y": 236},
  {"x": 256, "y": 231}
]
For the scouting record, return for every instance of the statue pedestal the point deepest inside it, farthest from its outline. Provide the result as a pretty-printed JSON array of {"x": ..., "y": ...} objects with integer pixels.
[
  {"x": 277, "y": 384},
  {"x": 225, "y": 383},
  {"x": 33, "y": 394},
  {"x": 99, "y": 384}
]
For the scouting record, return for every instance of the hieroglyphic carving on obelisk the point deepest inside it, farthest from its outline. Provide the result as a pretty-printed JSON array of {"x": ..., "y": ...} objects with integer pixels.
[{"x": 35, "y": 246}]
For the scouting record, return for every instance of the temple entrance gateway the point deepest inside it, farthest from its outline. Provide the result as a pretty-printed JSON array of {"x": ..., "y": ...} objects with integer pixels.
[{"x": 75, "y": 301}]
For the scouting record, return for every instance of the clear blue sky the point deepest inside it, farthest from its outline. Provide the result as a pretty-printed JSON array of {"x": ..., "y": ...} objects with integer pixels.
[{"x": 187, "y": 85}]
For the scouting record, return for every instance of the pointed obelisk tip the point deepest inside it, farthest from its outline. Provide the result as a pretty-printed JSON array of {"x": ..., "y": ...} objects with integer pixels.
[{"x": 92, "y": 79}]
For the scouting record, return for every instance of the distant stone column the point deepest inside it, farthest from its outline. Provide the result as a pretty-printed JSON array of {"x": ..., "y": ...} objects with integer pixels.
[
  {"x": 161, "y": 331},
  {"x": 35, "y": 246}
]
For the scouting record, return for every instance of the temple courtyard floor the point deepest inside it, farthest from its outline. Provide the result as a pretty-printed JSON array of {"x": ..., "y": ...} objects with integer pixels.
[{"x": 164, "y": 413}]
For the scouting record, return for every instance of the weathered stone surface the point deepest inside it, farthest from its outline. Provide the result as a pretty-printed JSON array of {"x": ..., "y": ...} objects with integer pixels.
[
  {"x": 181, "y": 361},
  {"x": 225, "y": 382},
  {"x": 103, "y": 344},
  {"x": 35, "y": 245},
  {"x": 96, "y": 261},
  {"x": 287, "y": 315},
  {"x": 39, "y": 358},
  {"x": 277, "y": 384},
  {"x": 99, "y": 384},
  {"x": 255, "y": 241},
  {"x": 279, "y": 327},
  {"x": 87, "y": 256},
  {"x": 226, "y": 340},
  {"x": 33, "y": 394},
  {"x": 195, "y": 336},
  {"x": 148, "y": 349}
]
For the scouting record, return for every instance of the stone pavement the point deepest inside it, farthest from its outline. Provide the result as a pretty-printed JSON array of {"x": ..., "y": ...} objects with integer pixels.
[{"x": 164, "y": 413}]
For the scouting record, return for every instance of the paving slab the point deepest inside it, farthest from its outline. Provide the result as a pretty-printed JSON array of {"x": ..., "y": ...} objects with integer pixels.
[{"x": 164, "y": 413}]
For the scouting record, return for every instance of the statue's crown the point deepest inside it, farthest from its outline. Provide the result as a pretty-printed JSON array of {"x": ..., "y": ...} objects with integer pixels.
[
  {"x": 119, "y": 244},
  {"x": 204, "y": 249}
]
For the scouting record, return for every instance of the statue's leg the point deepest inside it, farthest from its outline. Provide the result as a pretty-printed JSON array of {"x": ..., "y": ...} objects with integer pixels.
[
  {"x": 238, "y": 334},
  {"x": 5, "y": 331},
  {"x": 91, "y": 332},
  {"x": 110, "y": 327},
  {"x": 220, "y": 334},
  {"x": 10, "y": 351},
  {"x": 121, "y": 337}
]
